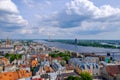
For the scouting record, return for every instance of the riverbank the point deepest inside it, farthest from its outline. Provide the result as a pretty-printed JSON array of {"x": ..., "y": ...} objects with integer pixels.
[
  {"x": 92, "y": 43},
  {"x": 82, "y": 49}
]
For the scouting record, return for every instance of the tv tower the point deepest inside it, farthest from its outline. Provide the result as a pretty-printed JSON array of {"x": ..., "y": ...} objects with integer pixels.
[
  {"x": 75, "y": 41},
  {"x": 49, "y": 36}
]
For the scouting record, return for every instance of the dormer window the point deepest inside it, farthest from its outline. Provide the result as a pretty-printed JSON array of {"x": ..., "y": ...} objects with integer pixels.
[
  {"x": 82, "y": 67},
  {"x": 88, "y": 66},
  {"x": 96, "y": 66}
]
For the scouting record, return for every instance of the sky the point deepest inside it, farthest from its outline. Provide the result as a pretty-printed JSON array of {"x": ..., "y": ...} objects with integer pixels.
[{"x": 60, "y": 19}]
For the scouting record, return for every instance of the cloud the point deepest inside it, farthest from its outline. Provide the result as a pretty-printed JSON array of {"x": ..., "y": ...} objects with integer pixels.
[
  {"x": 25, "y": 31},
  {"x": 85, "y": 18},
  {"x": 80, "y": 18},
  {"x": 96, "y": 27},
  {"x": 78, "y": 11},
  {"x": 36, "y": 4},
  {"x": 8, "y": 6},
  {"x": 86, "y": 7},
  {"x": 10, "y": 19}
]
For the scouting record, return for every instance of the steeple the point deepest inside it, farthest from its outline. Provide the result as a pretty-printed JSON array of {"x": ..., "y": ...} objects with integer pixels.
[{"x": 8, "y": 42}]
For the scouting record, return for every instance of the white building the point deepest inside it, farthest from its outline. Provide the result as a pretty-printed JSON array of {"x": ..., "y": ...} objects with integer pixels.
[{"x": 83, "y": 65}]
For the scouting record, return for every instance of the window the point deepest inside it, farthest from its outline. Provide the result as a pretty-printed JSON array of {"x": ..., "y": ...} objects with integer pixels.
[
  {"x": 82, "y": 67},
  {"x": 93, "y": 66},
  {"x": 88, "y": 66},
  {"x": 96, "y": 66},
  {"x": 114, "y": 78}
]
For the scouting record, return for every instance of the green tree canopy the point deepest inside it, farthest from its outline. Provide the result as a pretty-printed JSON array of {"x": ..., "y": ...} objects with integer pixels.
[
  {"x": 73, "y": 78},
  {"x": 12, "y": 57},
  {"x": 86, "y": 76}
]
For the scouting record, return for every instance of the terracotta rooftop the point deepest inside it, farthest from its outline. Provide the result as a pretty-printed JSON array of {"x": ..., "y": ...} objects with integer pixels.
[
  {"x": 5, "y": 60},
  {"x": 18, "y": 47},
  {"x": 113, "y": 69},
  {"x": 48, "y": 69},
  {"x": 15, "y": 75},
  {"x": 34, "y": 62},
  {"x": 34, "y": 56},
  {"x": 24, "y": 65},
  {"x": 43, "y": 55},
  {"x": 37, "y": 79},
  {"x": 69, "y": 67},
  {"x": 57, "y": 58}
]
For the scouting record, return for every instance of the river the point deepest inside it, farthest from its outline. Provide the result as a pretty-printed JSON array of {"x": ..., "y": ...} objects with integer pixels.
[{"x": 83, "y": 49}]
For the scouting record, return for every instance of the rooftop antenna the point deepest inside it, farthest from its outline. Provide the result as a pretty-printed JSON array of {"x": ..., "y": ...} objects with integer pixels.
[{"x": 75, "y": 41}]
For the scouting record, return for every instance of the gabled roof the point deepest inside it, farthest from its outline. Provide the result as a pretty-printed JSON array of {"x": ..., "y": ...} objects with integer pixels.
[
  {"x": 69, "y": 67},
  {"x": 112, "y": 70}
]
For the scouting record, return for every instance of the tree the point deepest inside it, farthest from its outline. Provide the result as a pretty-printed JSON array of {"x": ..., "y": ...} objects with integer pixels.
[
  {"x": 12, "y": 57},
  {"x": 86, "y": 76},
  {"x": 19, "y": 56},
  {"x": 70, "y": 78},
  {"x": 66, "y": 58},
  {"x": 63, "y": 62},
  {"x": 7, "y": 55},
  {"x": 76, "y": 78}
]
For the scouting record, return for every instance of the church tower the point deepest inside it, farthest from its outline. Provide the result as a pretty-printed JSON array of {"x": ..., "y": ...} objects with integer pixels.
[{"x": 8, "y": 42}]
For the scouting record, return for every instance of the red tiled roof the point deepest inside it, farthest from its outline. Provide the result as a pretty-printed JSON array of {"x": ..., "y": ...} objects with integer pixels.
[
  {"x": 42, "y": 54},
  {"x": 37, "y": 79},
  {"x": 34, "y": 56},
  {"x": 48, "y": 69},
  {"x": 24, "y": 65},
  {"x": 113, "y": 70},
  {"x": 69, "y": 67}
]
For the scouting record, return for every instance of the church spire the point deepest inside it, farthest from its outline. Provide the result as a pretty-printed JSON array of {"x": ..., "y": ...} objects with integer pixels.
[{"x": 8, "y": 42}]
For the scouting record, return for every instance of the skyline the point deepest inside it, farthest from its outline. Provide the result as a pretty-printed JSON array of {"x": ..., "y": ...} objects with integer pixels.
[{"x": 64, "y": 19}]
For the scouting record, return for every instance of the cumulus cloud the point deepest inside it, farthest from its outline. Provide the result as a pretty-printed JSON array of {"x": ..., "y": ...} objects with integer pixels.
[
  {"x": 86, "y": 7},
  {"x": 10, "y": 19},
  {"x": 78, "y": 11},
  {"x": 86, "y": 17},
  {"x": 8, "y": 6},
  {"x": 78, "y": 18}
]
